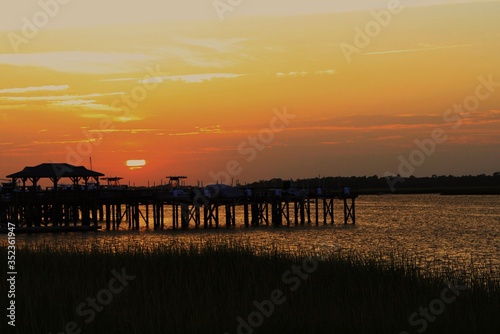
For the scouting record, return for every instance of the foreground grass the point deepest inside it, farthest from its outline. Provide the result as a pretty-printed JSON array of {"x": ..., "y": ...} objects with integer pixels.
[{"x": 204, "y": 289}]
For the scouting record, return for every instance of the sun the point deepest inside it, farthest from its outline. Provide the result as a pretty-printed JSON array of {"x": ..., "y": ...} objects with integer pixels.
[{"x": 136, "y": 164}]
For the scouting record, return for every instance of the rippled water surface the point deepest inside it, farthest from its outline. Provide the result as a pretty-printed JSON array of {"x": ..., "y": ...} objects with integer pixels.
[{"x": 432, "y": 228}]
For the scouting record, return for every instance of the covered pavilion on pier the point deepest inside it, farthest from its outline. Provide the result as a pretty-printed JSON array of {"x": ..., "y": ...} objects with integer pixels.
[{"x": 55, "y": 172}]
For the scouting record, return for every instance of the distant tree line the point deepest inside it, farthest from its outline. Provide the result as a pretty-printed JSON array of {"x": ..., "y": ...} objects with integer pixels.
[{"x": 368, "y": 184}]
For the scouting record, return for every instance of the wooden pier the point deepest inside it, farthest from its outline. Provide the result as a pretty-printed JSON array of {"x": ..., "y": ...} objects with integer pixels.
[
  {"x": 164, "y": 208},
  {"x": 87, "y": 207}
]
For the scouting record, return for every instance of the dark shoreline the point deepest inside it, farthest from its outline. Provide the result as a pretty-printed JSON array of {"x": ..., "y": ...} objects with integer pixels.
[
  {"x": 436, "y": 184},
  {"x": 430, "y": 191}
]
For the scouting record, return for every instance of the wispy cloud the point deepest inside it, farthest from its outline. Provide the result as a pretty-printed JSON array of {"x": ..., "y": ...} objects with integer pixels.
[
  {"x": 81, "y": 62},
  {"x": 193, "y": 133},
  {"x": 33, "y": 89},
  {"x": 118, "y": 80},
  {"x": 304, "y": 73},
  {"x": 211, "y": 129},
  {"x": 292, "y": 74},
  {"x": 57, "y": 97},
  {"x": 329, "y": 72},
  {"x": 215, "y": 129},
  {"x": 133, "y": 131},
  {"x": 383, "y": 138},
  {"x": 363, "y": 128},
  {"x": 192, "y": 78},
  {"x": 420, "y": 49},
  {"x": 76, "y": 102},
  {"x": 186, "y": 78},
  {"x": 50, "y": 142},
  {"x": 88, "y": 104},
  {"x": 409, "y": 115}
]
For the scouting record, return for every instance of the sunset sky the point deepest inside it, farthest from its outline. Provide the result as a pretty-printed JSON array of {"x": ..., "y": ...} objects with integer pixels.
[{"x": 258, "y": 90}]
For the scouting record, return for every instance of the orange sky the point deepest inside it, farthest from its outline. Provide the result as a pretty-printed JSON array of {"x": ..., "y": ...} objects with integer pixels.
[{"x": 192, "y": 94}]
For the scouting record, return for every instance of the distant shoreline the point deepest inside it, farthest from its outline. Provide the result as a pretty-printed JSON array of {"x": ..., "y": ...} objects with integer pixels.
[
  {"x": 375, "y": 185},
  {"x": 440, "y": 191}
]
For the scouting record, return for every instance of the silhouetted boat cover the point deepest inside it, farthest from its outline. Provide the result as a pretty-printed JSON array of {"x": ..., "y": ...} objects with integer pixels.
[{"x": 222, "y": 191}]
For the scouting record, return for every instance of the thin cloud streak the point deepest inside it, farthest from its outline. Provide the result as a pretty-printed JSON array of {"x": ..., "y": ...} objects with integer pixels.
[
  {"x": 191, "y": 78},
  {"x": 57, "y": 97},
  {"x": 420, "y": 50},
  {"x": 81, "y": 62},
  {"x": 33, "y": 89}
]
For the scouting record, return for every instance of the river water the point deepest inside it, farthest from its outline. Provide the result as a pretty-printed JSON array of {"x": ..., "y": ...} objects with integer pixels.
[{"x": 459, "y": 233}]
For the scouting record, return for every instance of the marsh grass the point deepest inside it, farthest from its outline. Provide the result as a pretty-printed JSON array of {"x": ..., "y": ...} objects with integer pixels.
[{"x": 204, "y": 288}]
